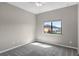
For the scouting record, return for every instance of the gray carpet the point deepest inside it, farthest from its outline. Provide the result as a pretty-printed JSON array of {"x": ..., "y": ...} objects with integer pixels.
[{"x": 34, "y": 50}]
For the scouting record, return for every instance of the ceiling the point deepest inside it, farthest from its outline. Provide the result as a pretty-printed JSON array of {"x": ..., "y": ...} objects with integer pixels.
[{"x": 48, "y": 6}]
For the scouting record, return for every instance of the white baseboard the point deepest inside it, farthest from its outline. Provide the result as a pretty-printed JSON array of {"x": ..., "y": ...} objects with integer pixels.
[
  {"x": 66, "y": 46},
  {"x": 13, "y": 48},
  {"x": 59, "y": 45}
]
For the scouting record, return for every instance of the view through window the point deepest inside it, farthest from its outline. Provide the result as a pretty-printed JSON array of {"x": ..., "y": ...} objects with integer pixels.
[{"x": 53, "y": 27}]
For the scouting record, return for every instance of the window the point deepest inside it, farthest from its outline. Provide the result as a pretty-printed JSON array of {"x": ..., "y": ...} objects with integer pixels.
[{"x": 53, "y": 27}]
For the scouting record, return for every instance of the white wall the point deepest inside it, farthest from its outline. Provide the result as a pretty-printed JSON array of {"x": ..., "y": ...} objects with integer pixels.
[
  {"x": 68, "y": 38},
  {"x": 17, "y": 27}
]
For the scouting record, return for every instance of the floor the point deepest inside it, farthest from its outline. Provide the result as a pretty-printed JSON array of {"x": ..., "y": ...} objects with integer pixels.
[{"x": 40, "y": 49}]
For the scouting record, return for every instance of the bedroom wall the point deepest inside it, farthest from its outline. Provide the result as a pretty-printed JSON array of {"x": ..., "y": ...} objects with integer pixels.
[
  {"x": 68, "y": 38},
  {"x": 17, "y": 27}
]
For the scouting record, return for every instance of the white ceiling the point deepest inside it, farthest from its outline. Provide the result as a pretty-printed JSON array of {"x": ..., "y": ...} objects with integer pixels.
[{"x": 48, "y": 6}]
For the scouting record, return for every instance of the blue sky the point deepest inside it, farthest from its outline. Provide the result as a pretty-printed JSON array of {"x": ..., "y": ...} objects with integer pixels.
[
  {"x": 47, "y": 23},
  {"x": 57, "y": 23},
  {"x": 54, "y": 23}
]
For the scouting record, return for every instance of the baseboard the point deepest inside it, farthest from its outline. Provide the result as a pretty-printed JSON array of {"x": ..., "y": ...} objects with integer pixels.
[
  {"x": 59, "y": 45},
  {"x": 13, "y": 48},
  {"x": 66, "y": 46}
]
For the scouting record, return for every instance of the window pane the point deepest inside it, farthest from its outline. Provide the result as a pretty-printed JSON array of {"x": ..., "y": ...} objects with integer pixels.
[
  {"x": 56, "y": 27},
  {"x": 47, "y": 27}
]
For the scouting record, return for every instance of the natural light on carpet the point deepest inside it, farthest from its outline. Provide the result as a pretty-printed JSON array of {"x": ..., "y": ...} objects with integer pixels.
[{"x": 41, "y": 45}]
